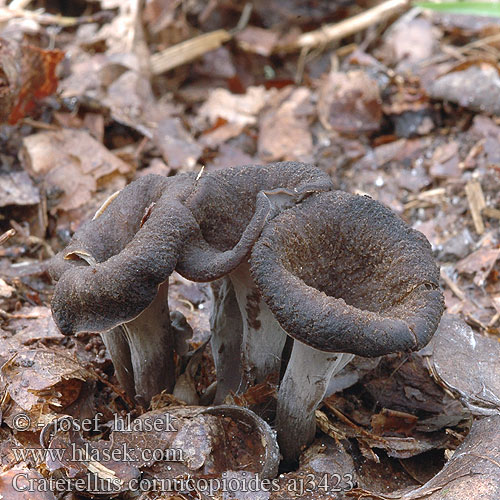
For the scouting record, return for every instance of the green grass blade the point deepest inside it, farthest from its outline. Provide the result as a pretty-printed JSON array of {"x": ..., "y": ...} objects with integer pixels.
[{"x": 489, "y": 9}]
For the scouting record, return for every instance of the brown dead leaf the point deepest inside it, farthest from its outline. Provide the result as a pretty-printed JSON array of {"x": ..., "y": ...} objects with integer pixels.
[
  {"x": 178, "y": 148},
  {"x": 467, "y": 364},
  {"x": 391, "y": 421},
  {"x": 479, "y": 264},
  {"x": 37, "y": 382},
  {"x": 239, "y": 109},
  {"x": 15, "y": 485},
  {"x": 230, "y": 156},
  {"x": 220, "y": 134},
  {"x": 40, "y": 327},
  {"x": 349, "y": 102},
  {"x": 472, "y": 473},
  {"x": 284, "y": 131},
  {"x": 70, "y": 161},
  {"x": 182, "y": 442},
  {"x": 476, "y": 87},
  {"x": 27, "y": 75},
  {"x": 445, "y": 161},
  {"x": 408, "y": 43},
  {"x": 326, "y": 469},
  {"x": 16, "y": 188}
]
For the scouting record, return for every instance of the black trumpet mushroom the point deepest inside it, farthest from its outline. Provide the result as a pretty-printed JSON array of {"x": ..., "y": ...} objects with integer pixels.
[
  {"x": 232, "y": 207},
  {"x": 112, "y": 278},
  {"x": 343, "y": 276}
]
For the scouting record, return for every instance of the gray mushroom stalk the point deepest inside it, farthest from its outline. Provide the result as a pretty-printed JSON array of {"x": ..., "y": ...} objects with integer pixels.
[{"x": 342, "y": 275}]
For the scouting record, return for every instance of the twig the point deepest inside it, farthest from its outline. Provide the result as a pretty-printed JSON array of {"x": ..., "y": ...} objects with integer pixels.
[
  {"x": 6, "y": 315},
  {"x": 191, "y": 49},
  {"x": 475, "y": 197},
  {"x": 7, "y": 236},
  {"x": 452, "y": 285},
  {"x": 187, "y": 51},
  {"x": 332, "y": 32},
  {"x": 7, "y": 13}
]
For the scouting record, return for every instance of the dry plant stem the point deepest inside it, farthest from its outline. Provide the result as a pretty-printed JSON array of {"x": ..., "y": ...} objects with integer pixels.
[
  {"x": 332, "y": 32},
  {"x": 493, "y": 213},
  {"x": 7, "y": 236},
  {"x": 263, "y": 338},
  {"x": 150, "y": 339},
  {"x": 227, "y": 331},
  {"x": 8, "y": 13},
  {"x": 301, "y": 391},
  {"x": 187, "y": 51}
]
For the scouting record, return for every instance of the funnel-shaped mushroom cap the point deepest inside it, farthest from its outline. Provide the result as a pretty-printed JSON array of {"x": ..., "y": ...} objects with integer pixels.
[
  {"x": 342, "y": 273},
  {"x": 111, "y": 270},
  {"x": 231, "y": 207}
]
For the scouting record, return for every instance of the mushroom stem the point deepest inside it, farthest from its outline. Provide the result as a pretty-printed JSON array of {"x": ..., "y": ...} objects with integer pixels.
[
  {"x": 226, "y": 326},
  {"x": 119, "y": 352},
  {"x": 263, "y": 338},
  {"x": 150, "y": 339},
  {"x": 302, "y": 389}
]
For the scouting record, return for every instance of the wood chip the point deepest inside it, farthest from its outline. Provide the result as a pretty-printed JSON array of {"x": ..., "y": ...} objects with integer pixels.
[{"x": 475, "y": 197}]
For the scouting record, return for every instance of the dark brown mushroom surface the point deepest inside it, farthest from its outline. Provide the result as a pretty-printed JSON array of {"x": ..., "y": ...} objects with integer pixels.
[
  {"x": 113, "y": 276},
  {"x": 343, "y": 275}
]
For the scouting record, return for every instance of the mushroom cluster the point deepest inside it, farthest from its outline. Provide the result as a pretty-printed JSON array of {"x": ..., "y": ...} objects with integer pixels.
[{"x": 288, "y": 257}]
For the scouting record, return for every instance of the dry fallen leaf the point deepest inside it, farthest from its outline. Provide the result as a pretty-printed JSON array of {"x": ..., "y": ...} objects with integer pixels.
[
  {"x": 479, "y": 264},
  {"x": 38, "y": 382},
  {"x": 467, "y": 364},
  {"x": 349, "y": 102},
  {"x": 476, "y": 87},
  {"x": 239, "y": 109},
  {"x": 61, "y": 158},
  {"x": 16, "y": 188},
  {"x": 28, "y": 74},
  {"x": 284, "y": 129},
  {"x": 169, "y": 445}
]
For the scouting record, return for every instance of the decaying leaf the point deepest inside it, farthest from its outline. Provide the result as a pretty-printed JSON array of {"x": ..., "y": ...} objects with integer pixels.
[
  {"x": 170, "y": 446},
  {"x": 38, "y": 383},
  {"x": 472, "y": 473},
  {"x": 349, "y": 102},
  {"x": 241, "y": 109},
  {"x": 475, "y": 87},
  {"x": 467, "y": 364},
  {"x": 479, "y": 263},
  {"x": 16, "y": 188},
  {"x": 15, "y": 485},
  {"x": 284, "y": 128},
  {"x": 178, "y": 148},
  {"x": 28, "y": 74},
  {"x": 63, "y": 161}
]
